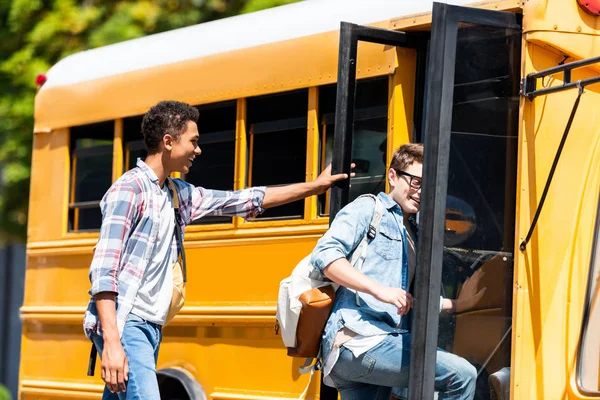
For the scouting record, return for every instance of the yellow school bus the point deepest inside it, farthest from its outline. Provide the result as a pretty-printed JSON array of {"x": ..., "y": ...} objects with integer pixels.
[{"x": 503, "y": 94}]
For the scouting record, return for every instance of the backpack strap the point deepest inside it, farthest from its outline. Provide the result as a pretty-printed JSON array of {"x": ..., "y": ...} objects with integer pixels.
[
  {"x": 359, "y": 255},
  {"x": 92, "y": 360},
  {"x": 310, "y": 365},
  {"x": 178, "y": 234}
]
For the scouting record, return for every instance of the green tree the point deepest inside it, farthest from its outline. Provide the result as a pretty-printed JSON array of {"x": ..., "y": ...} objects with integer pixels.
[{"x": 35, "y": 34}]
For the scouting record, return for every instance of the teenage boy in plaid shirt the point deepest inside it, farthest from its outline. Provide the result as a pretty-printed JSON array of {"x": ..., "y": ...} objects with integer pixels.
[{"x": 131, "y": 271}]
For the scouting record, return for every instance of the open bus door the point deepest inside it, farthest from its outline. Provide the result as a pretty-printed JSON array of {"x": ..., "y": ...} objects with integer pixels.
[
  {"x": 440, "y": 50},
  {"x": 350, "y": 35}
]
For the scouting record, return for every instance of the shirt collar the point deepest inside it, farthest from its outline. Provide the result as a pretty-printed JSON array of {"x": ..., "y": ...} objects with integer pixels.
[
  {"x": 387, "y": 201},
  {"x": 147, "y": 171}
]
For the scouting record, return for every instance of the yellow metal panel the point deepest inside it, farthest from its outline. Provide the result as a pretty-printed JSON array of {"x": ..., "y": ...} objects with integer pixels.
[
  {"x": 117, "y": 169},
  {"x": 562, "y": 27},
  {"x": 241, "y": 152},
  {"x": 312, "y": 150},
  {"x": 250, "y": 156},
  {"x": 72, "y": 193},
  {"x": 49, "y": 195},
  {"x": 400, "y": 104},
  {"x": 36, "y": 389},
  {"x": 223, "y": 319},
  {"x": 550, "y": 275},
  {"x": 401, "y": 100}
]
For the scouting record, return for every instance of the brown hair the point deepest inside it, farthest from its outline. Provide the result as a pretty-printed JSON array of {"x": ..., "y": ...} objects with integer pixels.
[{"x": 406, "y": 155}]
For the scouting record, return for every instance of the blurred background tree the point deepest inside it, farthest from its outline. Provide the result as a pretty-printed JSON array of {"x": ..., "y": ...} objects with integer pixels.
[{"x": 35, "y": 34}]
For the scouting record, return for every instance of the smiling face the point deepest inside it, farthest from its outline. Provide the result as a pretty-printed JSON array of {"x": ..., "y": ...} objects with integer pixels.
[
  {"x": 183, "y": 150},
  {"x": 406, "y": 187}
]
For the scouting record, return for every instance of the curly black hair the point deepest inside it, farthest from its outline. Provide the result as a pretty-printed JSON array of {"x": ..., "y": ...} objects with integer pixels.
[{"x": 167, "y": 117}]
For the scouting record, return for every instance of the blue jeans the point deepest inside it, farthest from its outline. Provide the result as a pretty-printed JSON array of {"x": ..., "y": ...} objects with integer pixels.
[
  {"x": 375, "y": 373},
  {"x": 141, "y": 341}
]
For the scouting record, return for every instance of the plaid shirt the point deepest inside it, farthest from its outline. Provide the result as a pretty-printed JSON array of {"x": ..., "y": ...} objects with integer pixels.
[{"x": 129, "y": 232}]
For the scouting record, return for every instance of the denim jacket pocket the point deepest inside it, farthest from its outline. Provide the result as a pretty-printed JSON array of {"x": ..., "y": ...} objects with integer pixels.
[{"x": 388, "y": 244}]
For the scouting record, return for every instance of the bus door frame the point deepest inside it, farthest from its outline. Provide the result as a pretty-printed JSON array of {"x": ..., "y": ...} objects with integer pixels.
[
  {"x": 439, "y": 92},
  {"x": 350, "y": 35}
]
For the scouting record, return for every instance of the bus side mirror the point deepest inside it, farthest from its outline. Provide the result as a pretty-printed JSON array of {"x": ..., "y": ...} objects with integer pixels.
[{"x": 460, "y": 221}]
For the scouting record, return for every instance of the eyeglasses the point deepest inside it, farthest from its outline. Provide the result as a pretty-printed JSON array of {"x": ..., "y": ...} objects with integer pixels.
[{"x": 414, "y": 182}]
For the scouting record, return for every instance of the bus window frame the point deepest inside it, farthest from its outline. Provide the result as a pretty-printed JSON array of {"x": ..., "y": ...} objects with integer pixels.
[
  {"x": 77, "y": 154},
  {"x": 593, "y": 270},
  {"x": 278, "y": 125}
]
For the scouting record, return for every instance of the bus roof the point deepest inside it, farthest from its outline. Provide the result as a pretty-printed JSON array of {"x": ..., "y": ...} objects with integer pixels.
[{"x": 277, "y": 24}]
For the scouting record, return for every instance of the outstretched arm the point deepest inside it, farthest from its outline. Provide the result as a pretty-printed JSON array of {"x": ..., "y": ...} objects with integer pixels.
[
  {"x": 198, "y": 202},
  {"x": 278, "y": 195}
]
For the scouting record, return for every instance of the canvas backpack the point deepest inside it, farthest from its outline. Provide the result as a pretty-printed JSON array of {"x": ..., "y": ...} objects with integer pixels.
[{"x": 306, "y": 298}]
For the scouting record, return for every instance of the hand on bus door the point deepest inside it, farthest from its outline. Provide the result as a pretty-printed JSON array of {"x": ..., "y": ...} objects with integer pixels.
[
  {"x": 325, "y": 179},
  {"x": 278, "y": 195},
  {"x": 114, "y": 366}
]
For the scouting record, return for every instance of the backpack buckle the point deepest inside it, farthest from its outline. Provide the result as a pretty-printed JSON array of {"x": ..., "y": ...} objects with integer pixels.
[{"x": 372, "y": 232}]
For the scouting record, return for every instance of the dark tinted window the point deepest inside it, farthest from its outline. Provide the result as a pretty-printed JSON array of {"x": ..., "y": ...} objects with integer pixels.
[
  {"x": 478, "y": 256},
  {"x": 277, "y": 126},
  {"x": 91, "y": 173},
  {"x": 214, "y": 168},
  {"x": 133, "y": 142},
  {"x": 369, "y": 143}
]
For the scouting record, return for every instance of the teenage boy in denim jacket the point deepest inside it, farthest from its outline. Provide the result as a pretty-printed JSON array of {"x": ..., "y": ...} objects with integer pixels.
[
  {"x": 365, "y": 348},
  {"x": 131, "y": 272}
]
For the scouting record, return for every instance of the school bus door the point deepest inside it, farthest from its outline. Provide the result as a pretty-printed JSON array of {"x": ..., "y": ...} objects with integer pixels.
[{"x": 440, "y": 104}]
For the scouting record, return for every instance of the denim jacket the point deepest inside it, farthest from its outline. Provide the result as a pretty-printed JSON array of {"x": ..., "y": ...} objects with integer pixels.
[{"x": 386, "y": 262}]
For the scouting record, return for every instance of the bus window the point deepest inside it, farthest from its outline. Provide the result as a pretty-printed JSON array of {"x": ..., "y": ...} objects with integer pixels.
[
  {"x": 91, "y": 174},
  {"x": 588, "y": 361},
  {"x": 277, "y": 140},
  {"x": 369, "y": 141},
  {"x": 214, "y": 167},
  {"x": 133, "y": 142},
  {"x": 479, "y": 237}
]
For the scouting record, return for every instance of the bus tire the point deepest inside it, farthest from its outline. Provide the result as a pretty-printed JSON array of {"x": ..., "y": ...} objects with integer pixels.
[{"x": 178, "y": 384}]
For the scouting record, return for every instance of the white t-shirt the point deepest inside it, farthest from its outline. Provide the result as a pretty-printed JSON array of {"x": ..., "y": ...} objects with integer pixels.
[{"x": 154, "y": 296}]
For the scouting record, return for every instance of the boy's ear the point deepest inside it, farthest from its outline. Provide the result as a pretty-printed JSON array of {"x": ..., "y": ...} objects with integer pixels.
[
  {"x": 167, "y": 142},
  {"x": 391, "y": 175}
]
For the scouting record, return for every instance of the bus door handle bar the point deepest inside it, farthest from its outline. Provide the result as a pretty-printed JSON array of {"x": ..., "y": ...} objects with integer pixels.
[{"x": 523, "y": 245}]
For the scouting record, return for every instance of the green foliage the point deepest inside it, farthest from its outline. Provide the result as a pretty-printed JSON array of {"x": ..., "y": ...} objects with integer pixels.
[
  {"x": 4, "y": 393},
  {"x": 35, "y": 34},
  {"x": 257, "y": 5}
]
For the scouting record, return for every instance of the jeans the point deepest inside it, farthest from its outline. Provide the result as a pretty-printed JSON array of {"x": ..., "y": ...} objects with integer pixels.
[
  {"x": 375, "y": 373},
  {"x": 141, "y": 342}
]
